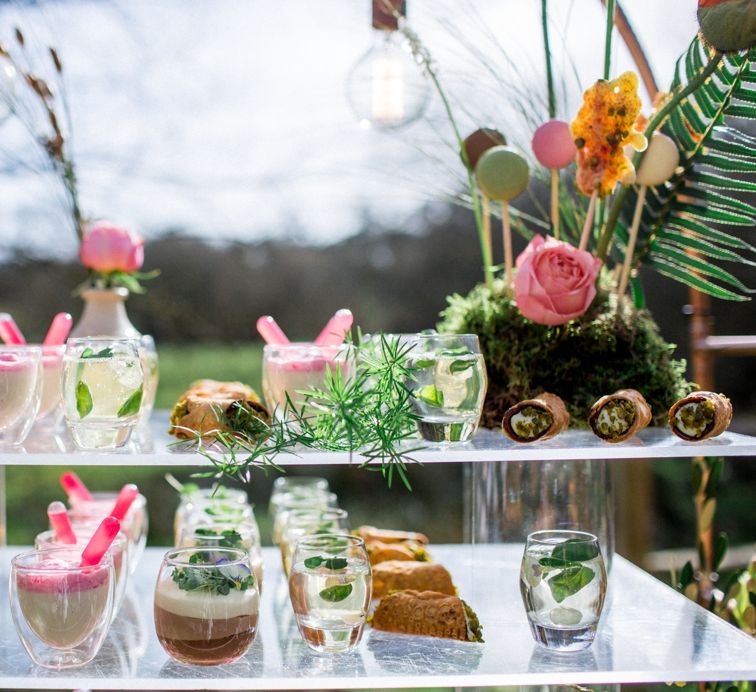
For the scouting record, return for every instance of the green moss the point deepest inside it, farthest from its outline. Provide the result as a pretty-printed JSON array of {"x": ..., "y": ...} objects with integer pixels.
[{"x": 612, "y": 346}]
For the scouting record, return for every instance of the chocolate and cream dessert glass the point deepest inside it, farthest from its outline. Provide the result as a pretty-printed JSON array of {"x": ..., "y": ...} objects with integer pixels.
[
  {"x": 206, "y": 605},
  {"x": 61, "y": 610},
  {"x": 20, "y": 391}
]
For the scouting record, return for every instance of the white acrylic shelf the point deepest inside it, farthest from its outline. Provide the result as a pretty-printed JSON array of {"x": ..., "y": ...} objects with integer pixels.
[
  {"x": 648, "y": 633},
  {"x": 152, "y": 446}
]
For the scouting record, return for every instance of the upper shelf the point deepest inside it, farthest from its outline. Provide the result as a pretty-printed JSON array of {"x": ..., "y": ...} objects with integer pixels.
[{"x": 152, "y": 446}]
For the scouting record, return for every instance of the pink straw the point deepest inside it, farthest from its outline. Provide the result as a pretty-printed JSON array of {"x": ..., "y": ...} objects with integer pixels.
[
  {"x": 271, "y": 332},
  {"x": 75, "y": 489},
  {"x": 100, "y": 542},
  {"x": 336, "y": 330},
  {"x": 59, "y": 328},
  {"x": 56, "y": 512},
  {"x": 9, "y": 331},
  {"x": 127, "y": 495}
]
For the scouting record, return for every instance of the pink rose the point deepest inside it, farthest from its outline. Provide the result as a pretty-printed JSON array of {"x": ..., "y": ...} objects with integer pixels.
[
  {"x": 555, "y": 282},
  {"x": 108, "y": 248}
]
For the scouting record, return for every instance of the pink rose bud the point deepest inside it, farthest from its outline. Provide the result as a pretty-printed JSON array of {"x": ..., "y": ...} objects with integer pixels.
[
  {"x": 107, "y": 248},
  {"x": 555, "y": 282}
]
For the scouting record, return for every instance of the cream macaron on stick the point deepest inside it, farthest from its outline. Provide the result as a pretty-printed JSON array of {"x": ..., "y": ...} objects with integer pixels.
[
  {"x": 502, "y": 175},
  {"x": 555, "y": 149},
  {"x": 657, "y": 166},
  {"x": 473, "y": 147}
]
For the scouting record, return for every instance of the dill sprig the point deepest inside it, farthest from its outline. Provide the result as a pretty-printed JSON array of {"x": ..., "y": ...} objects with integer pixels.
[{"x": 367, "y": 414}]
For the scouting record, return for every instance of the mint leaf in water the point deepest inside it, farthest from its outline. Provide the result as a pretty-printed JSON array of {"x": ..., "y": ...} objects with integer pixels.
[
  {"x": 334, "y": 563},
  {"x": 569, "y": 581},
  {"x": 458, "y": 366},
  {"x": 575, "y": 550},
  {"x": 84, "y": 403},
  {"x": 334, "y": 594},
  {"x": 424, "y": 363},
  {"x": 130, "y": 407},
  {"x": 313, "y": 562},
  {"x": 430, "y": 395},
  {"x": 106, "y": 352}
]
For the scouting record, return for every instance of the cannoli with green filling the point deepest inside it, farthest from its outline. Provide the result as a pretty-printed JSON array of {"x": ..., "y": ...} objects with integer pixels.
[
  {"x": 700, "y": 415},
  {"x": 534, "y": 419},
  {"x": 617, "y": 417}
]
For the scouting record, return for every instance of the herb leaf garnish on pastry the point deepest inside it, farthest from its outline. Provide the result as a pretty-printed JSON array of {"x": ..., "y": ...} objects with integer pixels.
[
  {"x": 700, "y": 415},
  {"x": 617, "y": 417},
  {"x": 427, "y": 613},
  {"x": 540, "y": 418}
]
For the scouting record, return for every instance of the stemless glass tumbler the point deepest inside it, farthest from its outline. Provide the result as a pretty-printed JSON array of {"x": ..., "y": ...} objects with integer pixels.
[
  {"x": 61, "y": 610},
  {"x": 563, "y": 585},
  {"x": 20, "y": 390},
  {"x": 103, "y": 387},
  {"x": 330, "y": 586},
  {"x": 448, "y": 385}
]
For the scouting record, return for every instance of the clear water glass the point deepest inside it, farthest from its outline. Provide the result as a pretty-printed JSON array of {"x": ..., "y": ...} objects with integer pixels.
[
  {"x": 289, "y": 503},
  {"x": 103, "y": 388},
  {"x": 330, "y": 586},
  {"x": 189, "y": 501},
  {"x": 61, "y": 610},
  {"x": 149, "y": 356},
  {"x": 448, "y": 385},
  {"x": 51, "y": 398},
  {"x": 305, "y": 522},
  {"x": 20, "y": 391},
  {"x": 563, "y": 586},
  {"x": 295, "y": 485}
]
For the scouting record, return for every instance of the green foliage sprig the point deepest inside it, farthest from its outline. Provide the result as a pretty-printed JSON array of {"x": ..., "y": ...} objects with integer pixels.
[{"x": 219, "y": 580}]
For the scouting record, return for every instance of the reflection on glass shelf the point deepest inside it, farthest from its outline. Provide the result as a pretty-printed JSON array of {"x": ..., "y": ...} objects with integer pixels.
[
  {"x": 649, "y": 633},
  {"x": 151, "y": 446}
]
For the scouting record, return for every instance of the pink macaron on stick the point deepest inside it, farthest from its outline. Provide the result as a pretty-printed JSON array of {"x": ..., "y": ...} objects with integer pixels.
[
  {"x": 9, "y": 331},
  {"x": 74, "y": 487},
  {"x": 336, "y": 330},
  {"x": 271, "y": 333},
  {"x": 59, "y": 329},
  {"x": 128, "y": 494},
  {"x": 56, "y": 513},
  {"x": 100, "y": 542}
]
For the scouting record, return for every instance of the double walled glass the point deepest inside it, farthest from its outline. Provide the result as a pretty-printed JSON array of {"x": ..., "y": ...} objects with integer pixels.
[
  {"x": 20, "y": 391},
  {"x": 103, "y": 388},
  {"x": 563, "y": 586},
  {"x": 448, "y": 385}
]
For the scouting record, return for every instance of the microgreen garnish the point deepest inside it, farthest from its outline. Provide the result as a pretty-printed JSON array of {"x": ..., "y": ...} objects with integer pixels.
[
  {"x": 229, "y": 538},
  {"x": 334, "y": 594},
  {"x": 334, "y": 563},
  {"x": 219, "y": 580},
  {"x": 84, "y": 403},
  {"x": 130, "y": 407}
]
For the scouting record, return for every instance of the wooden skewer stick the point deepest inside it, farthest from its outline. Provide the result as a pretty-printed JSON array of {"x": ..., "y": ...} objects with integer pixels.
[
  {"x": 555, "y": 201},
  {"x": 486, "y": 209},
  {"x": 588, "y": 221},
  {"x": 507, "y": 243},
  {"x": 631, "y": 240}
]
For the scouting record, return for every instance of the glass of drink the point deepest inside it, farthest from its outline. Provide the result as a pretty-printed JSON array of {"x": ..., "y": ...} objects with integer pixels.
[
  {"x": 190, "y": 500},
  {"x": 330, "y": 586},
  {"x": 290, "y": 369},
  {"x": 148, "y": 354},
  {"x": 61, "y": 610},
  {"x": 50, "y": 409},
  {"x": 103, "y": 387},
  {"x": 20, "y": 389},
  {"x": 563, "y": 585},
  {"x": 305, "y": 522},
  {"x": 289, "y": 503},
  {"x": 293, "y": 486},
  {"x": 206, "y": 605},
  {"x": 448, "y": 385}
]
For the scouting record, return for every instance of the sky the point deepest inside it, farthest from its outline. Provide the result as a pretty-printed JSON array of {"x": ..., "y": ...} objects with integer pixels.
[{"x": 229, "y": 119}]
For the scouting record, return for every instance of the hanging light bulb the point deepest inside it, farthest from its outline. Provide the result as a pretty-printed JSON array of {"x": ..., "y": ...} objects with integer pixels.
[{"x": 386, "y": 88}]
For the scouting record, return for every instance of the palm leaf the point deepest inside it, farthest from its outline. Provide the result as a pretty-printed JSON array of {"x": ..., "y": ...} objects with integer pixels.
[{"x": 687, "y": 223}]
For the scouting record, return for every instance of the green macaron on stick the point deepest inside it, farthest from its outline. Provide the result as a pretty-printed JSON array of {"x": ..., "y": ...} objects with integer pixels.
[{"x": 502, "y": 175}]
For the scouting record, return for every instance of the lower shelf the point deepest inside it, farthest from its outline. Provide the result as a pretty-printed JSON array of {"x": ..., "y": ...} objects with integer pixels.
[{"x": 649, "y": 633}]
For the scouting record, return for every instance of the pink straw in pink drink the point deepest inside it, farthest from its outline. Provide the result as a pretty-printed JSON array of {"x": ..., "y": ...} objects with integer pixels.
[
  {"x": 9, "y": 331},
  {"x": 59, "y": 329},
  {"x": 100, "y": 542},
  {"x": 336, "y": 330},
  {"x": 270, "y": 331},
  {"x": 75, "y": 489},
  {"x": 56, "y": 512},
  {"x": 128, "y": 494}
]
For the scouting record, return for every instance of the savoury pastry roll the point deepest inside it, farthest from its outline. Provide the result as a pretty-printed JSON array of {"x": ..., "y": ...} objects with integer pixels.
[
  {"x": 370, "y": 533},
  {"x": 700, "y": 415},
  {"x": 617, "y": 417},
  {"x": 427, "y": 613},
  {"x": 408, "y": 551},
  {"x": 397, "y": 575},
  {"x": 534, "y": 419}
]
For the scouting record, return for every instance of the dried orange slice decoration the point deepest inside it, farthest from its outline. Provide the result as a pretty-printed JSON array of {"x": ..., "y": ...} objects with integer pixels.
[{"x": 604, "y": 125}]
